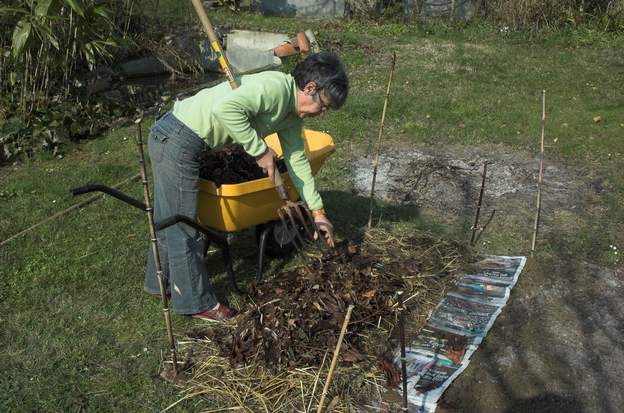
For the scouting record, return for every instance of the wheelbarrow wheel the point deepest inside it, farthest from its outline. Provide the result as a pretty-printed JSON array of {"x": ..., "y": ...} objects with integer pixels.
[{"x": 279, "y": 241}]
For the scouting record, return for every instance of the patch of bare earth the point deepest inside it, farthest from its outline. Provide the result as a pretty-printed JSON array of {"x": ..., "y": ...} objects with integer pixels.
[
  {"x": 557, "y": 346},
  {"x": 448, "y": 179}
]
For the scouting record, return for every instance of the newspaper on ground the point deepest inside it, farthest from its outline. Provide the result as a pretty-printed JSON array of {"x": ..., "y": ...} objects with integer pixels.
[{"x": 455, "y": 329}]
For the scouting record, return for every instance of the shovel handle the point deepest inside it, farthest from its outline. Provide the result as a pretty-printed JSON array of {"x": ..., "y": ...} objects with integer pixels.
[{"x": 214, "y": 42}]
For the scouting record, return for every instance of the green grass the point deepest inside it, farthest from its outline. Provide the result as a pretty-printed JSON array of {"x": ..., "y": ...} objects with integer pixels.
[{"x": 78, "y": 332}]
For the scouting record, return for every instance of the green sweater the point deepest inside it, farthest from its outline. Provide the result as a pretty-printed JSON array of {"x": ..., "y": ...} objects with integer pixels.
[{"x": 264, "y": 103}]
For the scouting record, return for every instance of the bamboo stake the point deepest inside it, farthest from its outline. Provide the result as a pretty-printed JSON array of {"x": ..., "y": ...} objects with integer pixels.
[
  {"x": 154, "y": 241},
  {"x": 334, "y": 359},
  {"x": 476, "y": 221},
  {"x": 66, "y": 211},
  {"x": 376, "y": 163},
  {"x": 485, "y": 226},
  {"x": 539, "y": 180},
  {"x": 403, "y": 357}
]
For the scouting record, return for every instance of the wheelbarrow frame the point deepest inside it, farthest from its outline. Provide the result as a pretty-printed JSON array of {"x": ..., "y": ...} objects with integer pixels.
[
  {"x": 216, "y": 237},
  {"x": 234, "y": 208}
]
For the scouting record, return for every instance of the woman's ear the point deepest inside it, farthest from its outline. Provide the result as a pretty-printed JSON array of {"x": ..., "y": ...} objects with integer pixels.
[{"x": 310, "y": 88}]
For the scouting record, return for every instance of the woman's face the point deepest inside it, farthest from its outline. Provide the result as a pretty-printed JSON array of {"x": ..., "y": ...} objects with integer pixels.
[{"x": 311, "y": 102}]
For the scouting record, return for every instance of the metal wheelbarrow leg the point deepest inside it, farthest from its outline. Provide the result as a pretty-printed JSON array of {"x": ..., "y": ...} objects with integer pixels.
[{"x": 213, "y": 236}]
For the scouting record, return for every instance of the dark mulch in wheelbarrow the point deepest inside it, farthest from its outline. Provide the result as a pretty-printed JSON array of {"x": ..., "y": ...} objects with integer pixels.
[
  {"x": 294, "y": 318},
  {"x": 232, "y": 165}
]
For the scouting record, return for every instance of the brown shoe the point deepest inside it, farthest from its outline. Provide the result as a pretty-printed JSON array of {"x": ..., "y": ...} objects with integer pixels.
[{"x": 221, "y": 313}]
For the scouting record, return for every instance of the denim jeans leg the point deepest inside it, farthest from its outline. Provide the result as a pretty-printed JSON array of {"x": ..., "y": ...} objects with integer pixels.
[{"x": 176, "y": 187}]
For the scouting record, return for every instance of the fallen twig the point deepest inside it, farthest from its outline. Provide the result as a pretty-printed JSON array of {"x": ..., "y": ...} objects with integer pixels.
[{"x": 66, "y": 211}]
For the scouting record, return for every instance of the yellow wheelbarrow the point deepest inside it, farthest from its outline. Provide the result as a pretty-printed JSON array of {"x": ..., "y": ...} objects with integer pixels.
[{"x": 233, "y": 208}]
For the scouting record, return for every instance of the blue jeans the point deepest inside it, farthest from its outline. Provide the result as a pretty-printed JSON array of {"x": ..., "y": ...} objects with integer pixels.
[{"x": 174, "y": 152}]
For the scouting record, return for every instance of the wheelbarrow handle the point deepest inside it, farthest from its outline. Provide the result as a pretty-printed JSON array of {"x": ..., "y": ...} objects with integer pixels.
[
  {"x": 174, "y": 219},
  {"x": 110, "y": 191}
]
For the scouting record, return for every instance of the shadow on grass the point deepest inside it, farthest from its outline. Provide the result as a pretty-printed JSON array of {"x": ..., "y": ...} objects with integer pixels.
[{"x": 349, "y": 214}]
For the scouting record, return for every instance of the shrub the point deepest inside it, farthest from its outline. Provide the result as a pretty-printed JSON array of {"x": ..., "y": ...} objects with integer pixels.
[
  {"x": 44, "y": 44},
  {"x": 555, "y": 13}
]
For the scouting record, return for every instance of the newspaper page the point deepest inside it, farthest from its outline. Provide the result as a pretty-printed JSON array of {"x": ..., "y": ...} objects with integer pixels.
[{"x": 455, "y": 329}]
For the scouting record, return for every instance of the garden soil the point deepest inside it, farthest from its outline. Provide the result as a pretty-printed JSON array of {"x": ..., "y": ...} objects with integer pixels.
[{"x": 558, "y": 345}]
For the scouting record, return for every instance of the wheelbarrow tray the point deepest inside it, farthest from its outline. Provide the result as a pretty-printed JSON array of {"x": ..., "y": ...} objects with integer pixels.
[{"x": 235, "y": 207}]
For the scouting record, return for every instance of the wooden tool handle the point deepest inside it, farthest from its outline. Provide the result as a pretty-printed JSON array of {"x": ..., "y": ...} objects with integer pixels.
[
  {"x": 225, "y": 65},
  {"x": 214, "y": 42},
  {"x": 279, "y": 185}
]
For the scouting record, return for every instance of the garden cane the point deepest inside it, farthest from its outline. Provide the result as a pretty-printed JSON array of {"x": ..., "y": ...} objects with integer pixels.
[
  {"x": 381, "y": 125},
  {"x": 154, "y": 241},
  {"x": 286, "y": 211}
]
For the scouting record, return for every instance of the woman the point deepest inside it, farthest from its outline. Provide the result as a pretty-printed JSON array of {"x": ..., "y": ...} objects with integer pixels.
[{"x": 264, "y": 103}]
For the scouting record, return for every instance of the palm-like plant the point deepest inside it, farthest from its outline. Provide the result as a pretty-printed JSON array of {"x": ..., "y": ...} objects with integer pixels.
[{"x": 54, "y": 37}]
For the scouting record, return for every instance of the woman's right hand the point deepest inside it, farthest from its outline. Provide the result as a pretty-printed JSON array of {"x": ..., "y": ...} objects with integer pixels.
[{"x": 266, "y": 161}]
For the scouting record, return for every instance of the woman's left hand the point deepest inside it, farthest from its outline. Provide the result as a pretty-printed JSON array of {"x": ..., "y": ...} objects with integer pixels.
[{"x": 326, "y": 228}]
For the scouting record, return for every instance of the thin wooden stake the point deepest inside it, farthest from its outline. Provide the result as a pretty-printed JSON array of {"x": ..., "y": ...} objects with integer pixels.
[
  {"x": 334, "y": 359},
  {"x": 476, "y": 221},
  {"x": 154, "y": 241},
  {"x": 539, "y": 180},
  {"x": 403, "y": 356},
  {"x": 376, "y": 163}
]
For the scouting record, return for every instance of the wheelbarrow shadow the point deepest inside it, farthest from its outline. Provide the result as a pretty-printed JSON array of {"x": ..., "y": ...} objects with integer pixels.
[{"x": 348, "y": 213}]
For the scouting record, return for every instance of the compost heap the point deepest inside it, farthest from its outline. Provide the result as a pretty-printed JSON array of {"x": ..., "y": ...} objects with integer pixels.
[
  {"x": 231, "y": 165},
  {"x": 289, "y": 325},
  {"x": 294, "y": 318}
]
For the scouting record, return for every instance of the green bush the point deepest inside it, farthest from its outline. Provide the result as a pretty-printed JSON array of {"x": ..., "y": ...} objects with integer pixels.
[{"x": 45, "y": 42}]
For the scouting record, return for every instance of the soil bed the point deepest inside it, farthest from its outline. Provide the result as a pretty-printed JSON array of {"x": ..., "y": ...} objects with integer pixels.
[{"x": 448, "y": 178}]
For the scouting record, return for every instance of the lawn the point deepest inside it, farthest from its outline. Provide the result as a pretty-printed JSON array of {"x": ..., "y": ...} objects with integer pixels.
[{"x": 79, "y": 333}]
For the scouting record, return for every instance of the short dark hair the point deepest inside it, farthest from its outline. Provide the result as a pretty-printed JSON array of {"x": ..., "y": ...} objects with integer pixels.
[{"x": 324, "y": 69}]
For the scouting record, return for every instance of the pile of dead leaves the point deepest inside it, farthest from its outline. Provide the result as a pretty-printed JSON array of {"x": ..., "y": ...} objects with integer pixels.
[{"x": 293, "y": 319}]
